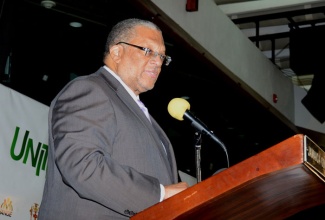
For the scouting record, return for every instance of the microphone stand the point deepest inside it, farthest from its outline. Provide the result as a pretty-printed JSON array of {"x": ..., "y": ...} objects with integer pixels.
[{"x": 198, "y": 141}]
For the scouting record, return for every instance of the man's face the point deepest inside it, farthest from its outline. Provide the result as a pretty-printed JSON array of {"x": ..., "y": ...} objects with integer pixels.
[{"x": 138, "y": 71}]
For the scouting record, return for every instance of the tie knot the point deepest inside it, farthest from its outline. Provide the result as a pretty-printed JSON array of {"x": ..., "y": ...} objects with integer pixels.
[
  {"x": 140, "y": 103},
  {"x": 143, "y": 108}
]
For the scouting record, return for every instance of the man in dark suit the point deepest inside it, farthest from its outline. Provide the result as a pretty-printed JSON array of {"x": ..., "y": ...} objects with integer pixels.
[{"x": 107, "y": 160}]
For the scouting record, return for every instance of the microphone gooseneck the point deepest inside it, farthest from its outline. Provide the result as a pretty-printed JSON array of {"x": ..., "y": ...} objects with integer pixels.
[{"x": 179, "y": 109}]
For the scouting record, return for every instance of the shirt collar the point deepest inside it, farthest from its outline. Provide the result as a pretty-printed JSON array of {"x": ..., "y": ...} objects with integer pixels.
[{"x": 135, "y": 97}]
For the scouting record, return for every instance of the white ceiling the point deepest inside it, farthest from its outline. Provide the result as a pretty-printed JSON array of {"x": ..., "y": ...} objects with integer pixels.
[
  {"x": 273, "y": 21},
  {"x": 249, "y": 8}
]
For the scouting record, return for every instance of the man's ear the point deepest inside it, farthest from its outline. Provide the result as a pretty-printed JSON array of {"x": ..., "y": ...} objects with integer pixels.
[{"x": 116, "y": 52}]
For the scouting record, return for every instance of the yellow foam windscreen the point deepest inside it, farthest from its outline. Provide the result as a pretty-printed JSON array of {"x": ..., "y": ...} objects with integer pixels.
[{"x": 177, "y": 108}]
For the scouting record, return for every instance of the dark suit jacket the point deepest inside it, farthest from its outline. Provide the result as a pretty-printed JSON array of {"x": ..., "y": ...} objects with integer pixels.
[{"x": 106, "y": 160}]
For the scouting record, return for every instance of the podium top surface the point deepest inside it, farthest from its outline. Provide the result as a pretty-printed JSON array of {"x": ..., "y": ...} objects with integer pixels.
[{"x": 276, "y": 182}]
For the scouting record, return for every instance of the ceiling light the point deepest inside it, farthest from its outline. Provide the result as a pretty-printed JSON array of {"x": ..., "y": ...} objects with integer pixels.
[
  {"x": 75, "y": 24},
  {"x": 48, "y": 4}
]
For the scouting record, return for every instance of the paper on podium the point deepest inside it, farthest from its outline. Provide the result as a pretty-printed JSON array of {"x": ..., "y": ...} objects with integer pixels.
[{"x": 190, "y": 180}]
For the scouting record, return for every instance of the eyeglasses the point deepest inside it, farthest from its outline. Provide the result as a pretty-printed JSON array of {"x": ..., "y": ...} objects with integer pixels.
[{"x": 148, "y": 52}]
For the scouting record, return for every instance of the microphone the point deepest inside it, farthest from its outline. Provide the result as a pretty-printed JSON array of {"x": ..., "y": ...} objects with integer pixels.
[{"x": 179, "y": 109}]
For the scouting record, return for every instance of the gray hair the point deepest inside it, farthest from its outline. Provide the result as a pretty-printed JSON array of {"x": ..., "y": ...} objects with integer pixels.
[{"x": 125, "y": 30}]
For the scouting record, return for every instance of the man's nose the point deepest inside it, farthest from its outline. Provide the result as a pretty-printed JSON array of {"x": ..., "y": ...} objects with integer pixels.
[{"x": 156, "y": 58}]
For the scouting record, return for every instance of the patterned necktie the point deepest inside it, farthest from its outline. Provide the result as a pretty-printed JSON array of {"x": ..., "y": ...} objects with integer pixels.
[
  {"x": 143, "y": 108},
  {"x": 146, "y": 112}
]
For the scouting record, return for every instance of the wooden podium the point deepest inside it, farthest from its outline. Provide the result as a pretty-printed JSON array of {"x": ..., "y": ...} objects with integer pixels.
[{"x": 274, "y": 184}]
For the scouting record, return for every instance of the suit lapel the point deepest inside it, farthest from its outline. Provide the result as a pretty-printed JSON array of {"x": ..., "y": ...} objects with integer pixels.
[
  {"x": 153, "y": 127},
  {"x": 166, "y": 148}
]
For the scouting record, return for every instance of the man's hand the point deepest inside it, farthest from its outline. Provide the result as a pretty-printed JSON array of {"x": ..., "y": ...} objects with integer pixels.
[{"x": 171, "y": 190}]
